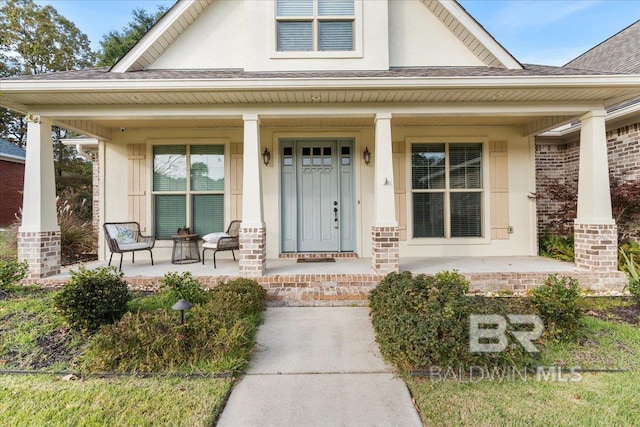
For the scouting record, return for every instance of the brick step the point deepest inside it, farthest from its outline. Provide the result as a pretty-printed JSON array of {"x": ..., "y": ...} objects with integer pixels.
[{"x": 318, "y": 296}]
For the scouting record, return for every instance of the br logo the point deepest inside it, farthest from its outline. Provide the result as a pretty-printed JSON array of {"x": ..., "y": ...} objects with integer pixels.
[{"x": 493, "y": 333}]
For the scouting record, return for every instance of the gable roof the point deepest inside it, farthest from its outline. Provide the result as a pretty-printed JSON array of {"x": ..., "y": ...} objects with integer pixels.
[
  {"x": 619, "y": 53},
  {"x": 11, "y": 151},
  {"x": 156, "y": 41}
]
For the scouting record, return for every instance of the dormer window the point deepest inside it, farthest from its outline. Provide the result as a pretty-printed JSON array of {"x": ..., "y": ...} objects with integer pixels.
[{"x": 315, "y": 25}]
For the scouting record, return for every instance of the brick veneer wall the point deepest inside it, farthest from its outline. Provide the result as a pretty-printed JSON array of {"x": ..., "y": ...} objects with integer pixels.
[
  {"x": 42, "y": 251},
  {"x": 253, "y": 252},
  {"x": 12, "y": 179},
  {"x": 560, "y": 161},
  {"x": 385, "y": 249}
]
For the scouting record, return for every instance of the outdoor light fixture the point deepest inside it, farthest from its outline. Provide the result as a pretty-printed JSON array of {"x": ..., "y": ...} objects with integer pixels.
[
  {"x": 181, "y": 306},
  {"x": 366, "y": 155},
  {"x": 266, "y": 156}
]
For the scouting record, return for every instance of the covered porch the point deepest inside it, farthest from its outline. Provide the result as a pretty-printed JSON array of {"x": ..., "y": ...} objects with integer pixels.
[{"x": 347, "y": 281}]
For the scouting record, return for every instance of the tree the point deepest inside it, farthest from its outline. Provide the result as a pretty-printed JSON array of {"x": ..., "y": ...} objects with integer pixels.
[
  {"x": 116, "y": 44},
  {"x": 34, "y": 40}
]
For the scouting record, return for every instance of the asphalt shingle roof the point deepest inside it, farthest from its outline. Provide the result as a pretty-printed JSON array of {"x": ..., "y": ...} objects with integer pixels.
[
  {"x": 10, "y": 149},
  {"x": 425, "y": 72},
  {"x": 619, "y": 53}
]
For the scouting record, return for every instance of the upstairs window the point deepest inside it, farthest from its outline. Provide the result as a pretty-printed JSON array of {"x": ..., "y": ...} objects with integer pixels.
[{"x": 315, "y": 25}]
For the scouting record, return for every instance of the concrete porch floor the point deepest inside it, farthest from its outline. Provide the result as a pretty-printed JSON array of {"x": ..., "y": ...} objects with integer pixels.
[{"x": 347, "y": 281}]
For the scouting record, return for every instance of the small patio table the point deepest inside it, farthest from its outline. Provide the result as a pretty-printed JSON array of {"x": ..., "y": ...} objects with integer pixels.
[{"x": 185, "y": 249}]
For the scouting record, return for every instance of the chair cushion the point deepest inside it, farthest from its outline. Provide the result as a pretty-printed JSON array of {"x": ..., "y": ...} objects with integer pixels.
[
  {"x": 209, "y": 245},
  {"x": 213, "y": 237},
  {"x": 133, "y": 246}
]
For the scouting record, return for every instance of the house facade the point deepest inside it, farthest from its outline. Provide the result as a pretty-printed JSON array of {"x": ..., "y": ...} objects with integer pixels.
[
  {"x": 12, "y": 160},
  {"x": 373, "y": 129}
]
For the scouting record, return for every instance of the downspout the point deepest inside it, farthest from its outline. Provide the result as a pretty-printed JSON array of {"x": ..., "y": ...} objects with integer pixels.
[{"x": 81, "y": 151}]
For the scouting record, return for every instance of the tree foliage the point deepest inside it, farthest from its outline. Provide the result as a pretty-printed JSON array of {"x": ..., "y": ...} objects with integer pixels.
[{"x": 116, "y": 44}]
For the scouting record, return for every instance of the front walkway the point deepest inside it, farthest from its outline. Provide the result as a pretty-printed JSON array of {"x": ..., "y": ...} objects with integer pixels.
[{"x": 318, "y": 367}]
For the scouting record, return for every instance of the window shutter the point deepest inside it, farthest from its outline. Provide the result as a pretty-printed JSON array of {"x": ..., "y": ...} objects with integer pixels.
[
  {"x": 400, "y": 187},
  {"x": 499, "y": 173},
  {"x": 236, "y": 181},
  {"x": 137, "y": 185}
]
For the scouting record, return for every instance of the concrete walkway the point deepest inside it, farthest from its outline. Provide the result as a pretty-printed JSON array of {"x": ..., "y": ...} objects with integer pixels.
[{"x": 318, "y": 366}]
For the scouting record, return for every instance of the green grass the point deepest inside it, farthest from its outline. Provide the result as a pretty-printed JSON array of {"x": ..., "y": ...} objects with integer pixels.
[
  {"x": 595, "y": 400},
  {"x": 32, "y": 335},
  {"x": 45, "y": 400}
]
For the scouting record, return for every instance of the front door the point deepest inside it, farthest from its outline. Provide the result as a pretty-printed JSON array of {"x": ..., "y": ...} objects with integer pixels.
[{"x": 317, "y": 196}]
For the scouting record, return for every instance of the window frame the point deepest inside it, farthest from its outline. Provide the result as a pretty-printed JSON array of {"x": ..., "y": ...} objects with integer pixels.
[
  {"x": 188, "y": 193},
  {"x": 356, "y": 52},
  {"x": 485, "y": 208}
]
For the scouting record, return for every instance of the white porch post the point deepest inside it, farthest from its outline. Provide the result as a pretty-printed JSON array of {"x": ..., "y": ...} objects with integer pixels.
[
  {"x": 384, "y": 233},
  {"x": 595, "y": 231},
  {"x": 253, "y": 249},
  {"x": 39, "y": 233}
]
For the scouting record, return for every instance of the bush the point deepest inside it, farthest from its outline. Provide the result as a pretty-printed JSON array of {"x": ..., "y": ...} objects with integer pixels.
[
  {"x": 238, "y": 297},
  {"x": 558, "y": 247},
  {"x": 424, "y": 321},
  {"x": 630, "y": 266},
  {"x": 217, "y": 335},
  {"x": 93, "y": 298},
  {"x": 11, "y": 272},
  {"x": 182, "y": 286},
  {"x": 557, "y": 302}
]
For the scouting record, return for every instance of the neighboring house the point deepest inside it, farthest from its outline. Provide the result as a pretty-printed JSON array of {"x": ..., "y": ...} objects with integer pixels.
[
  {"x": 12, "y": 160},
  {"x": 557, "y": 151},
  {"x": 382, "y": 129}
]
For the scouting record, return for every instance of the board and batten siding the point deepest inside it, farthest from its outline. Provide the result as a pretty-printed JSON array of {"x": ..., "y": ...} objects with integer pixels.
[
  {"x": 499, "y": 188},
  {"x": 137, "y": 185}
]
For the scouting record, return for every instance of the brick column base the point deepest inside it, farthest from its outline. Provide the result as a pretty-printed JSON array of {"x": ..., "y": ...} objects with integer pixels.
[
  {"x": 42, "y": 251},
  {"x": 385, "y": 250},
  {"x": 596, "y": 247},
  {"x": 253, "y": 252}
]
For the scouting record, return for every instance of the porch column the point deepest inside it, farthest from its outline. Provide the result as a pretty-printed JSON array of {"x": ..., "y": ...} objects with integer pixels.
[
  {"x": 39, "y": 233},
  {"x": 253, "y": 249},
  {"x": 385, "y": 251},
  {"x": 595, "y": 231}
]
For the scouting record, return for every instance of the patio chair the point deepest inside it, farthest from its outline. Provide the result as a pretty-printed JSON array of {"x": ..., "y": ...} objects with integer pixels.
[
  {"x": 126, "y": 237},
  {"x": 218, "y": 242}
]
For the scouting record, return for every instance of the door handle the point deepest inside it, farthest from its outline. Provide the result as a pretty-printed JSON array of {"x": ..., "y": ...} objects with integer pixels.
[{"x": 335, "y": 215}]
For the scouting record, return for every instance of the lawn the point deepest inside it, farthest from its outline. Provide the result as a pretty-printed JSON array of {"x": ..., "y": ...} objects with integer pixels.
[
  {"x": 34, "y": 337},
  {"x": 46, "y": 400},
  {"x": 582, "y": 399}
]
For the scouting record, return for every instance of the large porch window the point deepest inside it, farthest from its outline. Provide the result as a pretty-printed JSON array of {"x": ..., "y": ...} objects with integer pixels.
[
  {"x": 188, "y": 188},
  {"x": 447, "y": 190}
]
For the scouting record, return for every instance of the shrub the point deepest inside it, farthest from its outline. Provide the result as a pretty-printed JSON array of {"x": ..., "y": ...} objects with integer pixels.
[
  {"x": 11, "y": 272},
  {"x": 558, "y": 247},
  {"x": 182, "y": 286},
  {"x": 424, "y": 321},
  {"x": 632, "y": 269},
  {"x": 93, "y": 298},
  {"x": 557, "y": 302},
  {"x": 76, "y": 234},
  {"x": 217, "y": 335},
  {"x": 9, "y": 244},
  {"x": 239, "y": 297}
]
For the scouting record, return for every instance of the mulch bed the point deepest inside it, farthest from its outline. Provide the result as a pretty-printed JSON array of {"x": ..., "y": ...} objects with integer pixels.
[{"x": 624, "y": 314}]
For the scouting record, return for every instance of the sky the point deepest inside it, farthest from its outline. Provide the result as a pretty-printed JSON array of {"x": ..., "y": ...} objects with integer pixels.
[{"x": 547, "y": 32}]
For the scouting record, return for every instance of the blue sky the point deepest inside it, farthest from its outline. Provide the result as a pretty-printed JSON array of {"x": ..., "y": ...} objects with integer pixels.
[{"x": 549, "y": 32}]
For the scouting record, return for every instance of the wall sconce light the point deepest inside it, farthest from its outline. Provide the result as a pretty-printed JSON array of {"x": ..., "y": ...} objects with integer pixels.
[
  {"x": 181, "y": 306},
  {"x": 266, "y": 156},
  {"x": 366, "y": 155}
]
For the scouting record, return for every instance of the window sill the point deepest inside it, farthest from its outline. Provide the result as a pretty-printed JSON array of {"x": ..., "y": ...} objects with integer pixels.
[{"x": 317, "y": 55}]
